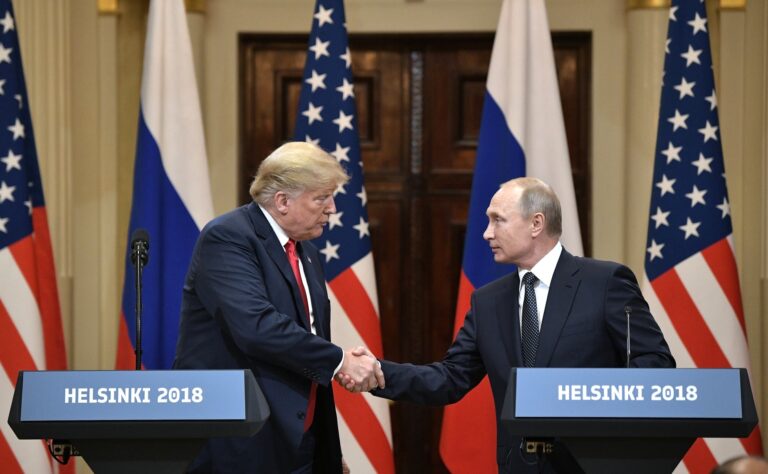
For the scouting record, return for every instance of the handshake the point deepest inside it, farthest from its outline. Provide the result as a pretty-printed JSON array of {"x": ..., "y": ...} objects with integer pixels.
[{"x": 360, "y": 371}]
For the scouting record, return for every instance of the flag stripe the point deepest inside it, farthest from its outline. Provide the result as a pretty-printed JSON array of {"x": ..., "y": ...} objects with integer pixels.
[
  {"x": 7, "y": 458},
  {"x": 367, "y": 428},
  {"x": 714, "y": 308},
  {"x": 685, "y": 317},
  {"x": 722, "y": 264},
  {"x": 676, "y": 346},
  {"x": 699, "y": 458},
  {"x": 353, "y": 298},
  {"x": 353, "y": 452},
  {"x": 30, "y": 455},
  {"x": 21, "y": 306},
  {"x": 13, "y": 352}
]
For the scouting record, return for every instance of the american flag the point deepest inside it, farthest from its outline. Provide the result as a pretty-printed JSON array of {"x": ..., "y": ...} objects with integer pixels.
[
  {"x": 31, "y": 336},
  {"x": 328, "y": 117},
  {"x": 692, "y": 283}
]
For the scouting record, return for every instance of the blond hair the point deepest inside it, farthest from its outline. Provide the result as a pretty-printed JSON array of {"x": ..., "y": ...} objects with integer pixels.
[{"x": 293, "y": 168}]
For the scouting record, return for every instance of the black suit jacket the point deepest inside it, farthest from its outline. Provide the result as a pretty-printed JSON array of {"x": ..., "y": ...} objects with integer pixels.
[
  {"x": 584, "y": 325},
  {"x": 241, "y": 309}
]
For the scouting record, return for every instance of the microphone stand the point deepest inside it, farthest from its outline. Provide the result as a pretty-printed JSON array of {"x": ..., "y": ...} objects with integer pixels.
[
  {"x": 628, "y": 312},
  {"x": 139, "y": 257}
]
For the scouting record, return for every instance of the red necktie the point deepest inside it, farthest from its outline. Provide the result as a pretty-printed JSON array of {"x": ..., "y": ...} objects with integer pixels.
[{"x": 293, "y": 259}]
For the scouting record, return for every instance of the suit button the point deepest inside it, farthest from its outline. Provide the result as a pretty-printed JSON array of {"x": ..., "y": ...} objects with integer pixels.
[{"x": 300, "y": 415}]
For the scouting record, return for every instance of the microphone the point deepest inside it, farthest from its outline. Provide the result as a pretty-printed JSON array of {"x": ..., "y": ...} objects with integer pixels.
[
  {"x": 139, "y": 258},
  {"x": 628, "y": 312},
  {"x": 140, "y": 246}
]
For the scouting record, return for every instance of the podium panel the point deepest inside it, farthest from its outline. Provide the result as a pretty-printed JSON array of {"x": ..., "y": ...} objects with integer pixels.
[
  {"x": 134, "y": 421},
  {"x": 625, "y": 420}
]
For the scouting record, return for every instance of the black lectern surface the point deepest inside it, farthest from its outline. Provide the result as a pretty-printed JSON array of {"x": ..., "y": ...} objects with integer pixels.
[
  {"x": 137, "y": 421},
  {"x": 625, "y": 420}
]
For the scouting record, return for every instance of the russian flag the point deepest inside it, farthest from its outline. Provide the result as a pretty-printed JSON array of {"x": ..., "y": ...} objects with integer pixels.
[
  {"x": 521, "y": 134},
  {"x": 171, "y": 191}
]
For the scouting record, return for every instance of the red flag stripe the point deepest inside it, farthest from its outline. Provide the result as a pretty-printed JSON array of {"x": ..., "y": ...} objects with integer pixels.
[
  {"x": 367, "y": 429},
  {"x": 685, "y": 317},
  {"x": 722, "y": 263},
  {"x": 753, "y": 443},
  {"x": 355, "y": 300},
  {"x": 8, "y": 459},
  {"x": 699, "y": 458},
  {"x": 13, "y": 352}
]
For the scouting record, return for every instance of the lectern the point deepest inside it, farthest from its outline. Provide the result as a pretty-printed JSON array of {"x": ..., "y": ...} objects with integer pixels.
[
  {"x": 137, "y": 421},
  {"x": 625, "y": 420}
]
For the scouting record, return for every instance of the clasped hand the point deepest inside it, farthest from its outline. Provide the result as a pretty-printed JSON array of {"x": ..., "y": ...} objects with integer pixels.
[{"x": 360, "y": 372}]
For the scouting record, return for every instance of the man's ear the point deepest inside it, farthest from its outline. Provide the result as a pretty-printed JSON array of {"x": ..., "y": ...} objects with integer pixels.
[
  {"x": 538, "y": 222},
  {"x": 280, "y": 200}
]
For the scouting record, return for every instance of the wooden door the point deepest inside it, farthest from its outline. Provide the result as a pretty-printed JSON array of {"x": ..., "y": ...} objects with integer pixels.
[{"x": 419, "y": 101}]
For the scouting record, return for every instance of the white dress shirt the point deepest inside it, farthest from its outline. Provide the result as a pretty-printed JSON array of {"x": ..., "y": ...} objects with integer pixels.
[{"x": 543, "y": 270}]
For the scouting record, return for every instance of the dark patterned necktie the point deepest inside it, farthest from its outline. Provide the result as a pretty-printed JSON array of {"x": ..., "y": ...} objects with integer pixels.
[{"x": 530, "y": 331}]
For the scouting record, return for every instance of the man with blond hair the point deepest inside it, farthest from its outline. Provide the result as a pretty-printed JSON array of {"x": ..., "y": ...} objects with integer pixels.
[{"x": 255, "y": 298}]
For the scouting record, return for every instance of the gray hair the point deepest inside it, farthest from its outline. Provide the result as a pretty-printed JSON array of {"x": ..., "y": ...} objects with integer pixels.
[
  {"x": 294, "y": 168},
  {"x": 538, "y": 196}
]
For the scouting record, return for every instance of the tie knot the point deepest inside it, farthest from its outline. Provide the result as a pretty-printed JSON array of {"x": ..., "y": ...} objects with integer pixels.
[
  {"x": 529, "y": 279},
  {"x": 290, "y": 246}
]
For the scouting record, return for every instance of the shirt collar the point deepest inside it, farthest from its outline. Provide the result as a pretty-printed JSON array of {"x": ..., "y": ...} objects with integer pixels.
[
  {"x": 545, "y": 268},
  {"x": 279, "y": 232}
]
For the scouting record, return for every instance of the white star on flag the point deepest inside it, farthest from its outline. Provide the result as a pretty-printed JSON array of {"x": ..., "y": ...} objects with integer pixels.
[
  {"x": 330, "y": 251},
  {"x": 709, "y": 131},
  {"x": 678, "y": 121},
  {"x": 655, "y": 250},
  {"x": 341, "y": 153},
  {"x": 666, "y": 185},
  {"x": 3, "y": 222},
  {"x": 685, "y": 88},
  {"x": 11, "y": 161},
  {"x": 347, "y": 58},
  {"x": 334, "y": 220},
  {"x": 696, "y": 196},
  {"x": 362, "y": 227},
  {"x": 672, "y": 153},
  {"x": 6, "y": 192},
  {"x": 698, "y": 24},
  {"x": 725, "y": 208},
  {"x": 702, "y": 164},
  {"x": 712, "y": 99},
  {"x": 660, "y": 217},
  {"x": 7, "y": 22},
  {"x": 17, "y": 129},
  {"x": 313, "y": 113},
  {"x": 323, "y": 16},
  {"x": 5, "y": 54},
  {"x": 346, "y": 89},
  {"x": 317, "y": 81},
  {"x": 344, "y": 121},
  {"x": 320, "y": 48},
  {"x": 692, "y": 56},
  {"x": 363, "y": 196},
  {"x": 690, "y": 228}
]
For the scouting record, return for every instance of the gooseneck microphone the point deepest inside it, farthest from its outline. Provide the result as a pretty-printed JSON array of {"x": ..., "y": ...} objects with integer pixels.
[
  {"x": 628, "y": 312},
  {"x": 139, "y": 258}
]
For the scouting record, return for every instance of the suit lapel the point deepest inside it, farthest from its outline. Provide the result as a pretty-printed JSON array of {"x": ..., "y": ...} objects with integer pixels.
[
  {"x": 316, "y": 287},
  {"x": 565, "y": 282},
  {"x": 507, "y": 309},
  {"x": 276, "y": 252}
]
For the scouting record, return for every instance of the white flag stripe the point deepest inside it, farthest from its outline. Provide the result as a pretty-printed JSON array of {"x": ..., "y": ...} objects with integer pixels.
[
  {"x": 171, "y": 108},
  {"x": 708, "y": 296},
  {"x": 680, "y": 469},
  {"x": 679, "y": 351},
  {"x": 724, "y": 449},
  {"x": 30, "y": 454},
  {"x": 353, "y": 453},
  {"x": 530, "y": 100},
  {"x": 345, "y": 335},
  {"x": 22, "y": 307},
  {"x": 365, "y": 272}
]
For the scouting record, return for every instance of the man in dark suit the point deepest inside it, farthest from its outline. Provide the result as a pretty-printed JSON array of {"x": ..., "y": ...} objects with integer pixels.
[
  {"x": 255, "y": 298},
  {"x": 556, "y": 310}
]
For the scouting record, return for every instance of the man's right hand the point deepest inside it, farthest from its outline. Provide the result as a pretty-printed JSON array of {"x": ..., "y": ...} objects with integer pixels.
[{"x": 360, "y": 372}]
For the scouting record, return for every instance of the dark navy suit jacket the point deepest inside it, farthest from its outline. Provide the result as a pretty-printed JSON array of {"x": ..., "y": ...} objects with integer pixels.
[
  {"x": 584, "y": 325},
  {"x": 241, "y": 310}
]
